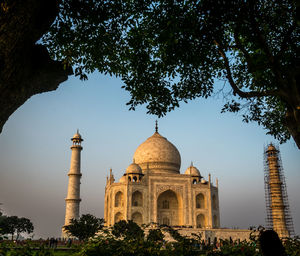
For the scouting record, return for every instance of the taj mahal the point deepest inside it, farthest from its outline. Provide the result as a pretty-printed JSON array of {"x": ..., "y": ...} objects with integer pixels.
[{"x": 153, "y": 191}]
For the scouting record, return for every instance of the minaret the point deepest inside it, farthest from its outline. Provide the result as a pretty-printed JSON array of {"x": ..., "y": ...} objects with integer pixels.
[
  {"x": 73, "y": 196},
  {"x": 277, "y": 200}
]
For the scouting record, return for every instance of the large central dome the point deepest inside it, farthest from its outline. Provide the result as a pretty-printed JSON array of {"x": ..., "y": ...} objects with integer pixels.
[{"x": 158, "y": 155}]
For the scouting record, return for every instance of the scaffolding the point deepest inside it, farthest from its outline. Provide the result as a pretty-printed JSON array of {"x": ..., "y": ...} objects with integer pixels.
[{"x": 276, "y": 192}]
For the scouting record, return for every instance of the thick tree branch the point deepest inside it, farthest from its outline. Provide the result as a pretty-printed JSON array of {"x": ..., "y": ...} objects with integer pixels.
[
  {"x": 233, "y": 85},
  {"x": 273, "y": 62},
  {"x": 25, "y": 67},
  {"x": 239, "y": 46}
]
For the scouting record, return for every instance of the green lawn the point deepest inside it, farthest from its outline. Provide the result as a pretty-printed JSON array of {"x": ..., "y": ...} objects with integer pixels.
[{"x": 63, "y": 253}]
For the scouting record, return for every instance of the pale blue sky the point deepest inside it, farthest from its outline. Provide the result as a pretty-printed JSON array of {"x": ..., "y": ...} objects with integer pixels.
[{"x": 35, "y": 152}]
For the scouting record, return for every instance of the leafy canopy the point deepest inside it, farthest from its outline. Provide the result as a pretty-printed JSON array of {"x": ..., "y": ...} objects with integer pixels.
[
  {"x": 85, "y": 227},
  {"x": 128, "y": 230},
  {"x": 155, "y": 235},
  {"x": 172, "y": 51},
  {"x": 14, "y": 225}
]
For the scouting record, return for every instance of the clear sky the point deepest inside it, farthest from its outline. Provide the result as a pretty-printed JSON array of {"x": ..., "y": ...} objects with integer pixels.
[{"x": 35, "y": 153}]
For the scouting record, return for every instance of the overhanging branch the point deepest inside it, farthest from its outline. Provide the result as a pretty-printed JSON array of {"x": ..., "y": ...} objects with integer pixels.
[{"x": 233, "y": 85}]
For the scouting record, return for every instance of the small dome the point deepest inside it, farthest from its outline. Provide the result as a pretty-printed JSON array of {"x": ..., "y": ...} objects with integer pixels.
[
  {"x": 271, "y": 148},
  {"x": 133, "y": 168},
  {"x": 77, "y": 136},
  {"x": 158, "y": 155},
  {"x": 193, "y": 171},
  {"x": 122, "y": 179}
]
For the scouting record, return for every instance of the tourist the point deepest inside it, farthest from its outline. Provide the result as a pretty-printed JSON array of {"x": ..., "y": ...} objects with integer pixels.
[{"x": 270, "y": 244}]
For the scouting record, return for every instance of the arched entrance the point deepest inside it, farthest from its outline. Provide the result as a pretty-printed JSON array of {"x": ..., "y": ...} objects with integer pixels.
[
  {"x": 200, "y": 202},
  {"x": 118, "y": 217},
  {"x": 169, "y": 209},
  {"x": 137, "y": 199},
  {"x": 201, "y": 221},
  {"x": 119, "y": 199},
  {"x": 137, "y": 218},
  {"x": 215, "y": 222},
  {"x": 214, "y": 202}
]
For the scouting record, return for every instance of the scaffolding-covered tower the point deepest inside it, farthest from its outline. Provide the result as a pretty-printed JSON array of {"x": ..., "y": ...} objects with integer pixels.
[{"x": 278, "y": 212}]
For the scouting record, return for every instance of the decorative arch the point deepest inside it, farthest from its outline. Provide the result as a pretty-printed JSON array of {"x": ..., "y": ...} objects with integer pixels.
[
  {"x": 166, "y": 204},
  {"x": 214, "y": 202},
  {"x": 215, "y": 221},
  {"x": 137, "y": 217},
  {"x": 119, "y": 199},
  {"x": 200, "y": 201},
  {"x": 166, "y": 221},
  {"x": 118, "y": 217},
  {"x": 169, "y": 208},
  {"x": 137, "y": 199},
  {"x": 201, "y": 222}
]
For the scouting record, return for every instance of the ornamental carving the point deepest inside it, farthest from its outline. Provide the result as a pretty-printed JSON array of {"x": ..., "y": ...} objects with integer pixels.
[{"x": 163, "y": 188}]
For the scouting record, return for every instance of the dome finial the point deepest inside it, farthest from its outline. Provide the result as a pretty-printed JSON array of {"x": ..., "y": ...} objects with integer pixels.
[
  {"x": 192, "y": 163},
  {"x": 156, "y": 126}
]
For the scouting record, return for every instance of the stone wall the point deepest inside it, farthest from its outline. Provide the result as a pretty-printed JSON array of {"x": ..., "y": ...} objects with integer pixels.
[
  {"x": 211, "y": 234},
  {"x": 221, "y": 233}
]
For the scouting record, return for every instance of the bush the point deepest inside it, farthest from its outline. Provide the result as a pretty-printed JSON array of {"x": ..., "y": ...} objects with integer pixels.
[{"x": 120, "y": 240}]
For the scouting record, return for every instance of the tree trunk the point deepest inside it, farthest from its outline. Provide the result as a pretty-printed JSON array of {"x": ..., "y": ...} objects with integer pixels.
[
  {"x": 293, "y": 124},
  {"x": 292, "y": 100},
  {"x": 26, "y": 68}
]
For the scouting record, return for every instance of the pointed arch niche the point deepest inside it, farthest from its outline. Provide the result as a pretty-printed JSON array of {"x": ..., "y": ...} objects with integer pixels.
[
  {"x": 119, "y": 199},
  {"x": 137, "y": 199},
  {"x": 201, "y": 223},
  {"x": 118, "y": 217},
  {"x": 214, "y": 202},
  {"x": 169, "y": 208},
  {"x": 215, "y": 221},
  {"x": 200, "y": 201},
  {"x": 137, "y": 217}
]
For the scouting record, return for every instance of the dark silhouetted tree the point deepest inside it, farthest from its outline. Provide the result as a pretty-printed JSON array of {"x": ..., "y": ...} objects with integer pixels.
[
  {"x": 85, "y": 227},
  {"x": 14, "y": 225},
  {"x": 128, "y": 230},
  {"x": 165, "y": 52}
]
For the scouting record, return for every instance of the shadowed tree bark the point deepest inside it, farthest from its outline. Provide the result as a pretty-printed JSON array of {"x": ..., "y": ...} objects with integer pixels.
[{"x": 25, "y": 67}]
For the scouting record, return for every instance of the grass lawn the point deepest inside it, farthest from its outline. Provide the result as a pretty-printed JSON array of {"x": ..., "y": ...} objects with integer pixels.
[{"x": 63, "y": 253}]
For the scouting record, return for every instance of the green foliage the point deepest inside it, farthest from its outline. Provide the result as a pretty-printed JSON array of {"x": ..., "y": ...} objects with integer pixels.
[
  {"x": 292, "y": 246},
  {"x": 155, "y": 235},
  {"x": 15, "y": 225},
  {"x": 128, "y": 230},
  {"x": 85, "y": 227},
  {"x": 24, "y": 225},
  {"x": 167, "y": 52},
  {"x": 108, "y": 244},
  {"x": 235, "y": 249},
  {"x": 32, "y": 248},
  {"x": 26, "y": 249}
]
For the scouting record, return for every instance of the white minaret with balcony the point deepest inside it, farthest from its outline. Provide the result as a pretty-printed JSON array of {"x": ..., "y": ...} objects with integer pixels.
[{"x": 73, "y": 196}]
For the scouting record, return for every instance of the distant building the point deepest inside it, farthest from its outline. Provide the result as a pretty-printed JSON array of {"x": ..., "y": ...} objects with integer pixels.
[
  {"x": 278, "y": 213},
  {"x": 153, "y": 191},
  {"x": 73, "y": 196}
]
